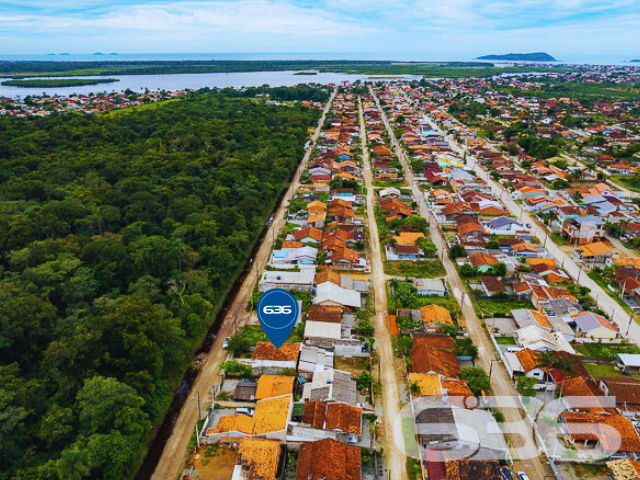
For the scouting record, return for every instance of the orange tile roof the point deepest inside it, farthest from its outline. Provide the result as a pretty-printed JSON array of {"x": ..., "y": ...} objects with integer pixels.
[
  {"x": 339, "y": 461},
  {"x": 620, "y": 437},
  {"x": 541, "y": 319},
  {"x": 549, "y": 262},
  {"x": 429, "y": 384},
  {"x": 272, "y": 414},
  {"x": 287, "y": 244},
  {"x": 343, "y": 417},
  {"x": 479, "y": 259},
  {"x": 312, "y": 232},
  {"x": 432, "y": 314},
  {"x": 288, "y": 352},
  {"x": 274, "y": 386},
  {"x": 328, "y": 276},
  {"x": 456, "y": 388},
  {"x": 433, "y": 353},
  {"x": 408, "y": 238},
  {"x": 233, "y": 423},
  {"x": 260, "y": 457},
  {"x": 528, "y": 359},
  {"x": 593, "y": 249}
]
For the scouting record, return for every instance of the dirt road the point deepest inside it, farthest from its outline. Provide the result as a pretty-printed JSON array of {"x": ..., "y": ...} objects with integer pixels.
[
  {"x": 518, "y": 431},
  {"x": 396, "y": 459},
  {"x": 175, "y": 452}
]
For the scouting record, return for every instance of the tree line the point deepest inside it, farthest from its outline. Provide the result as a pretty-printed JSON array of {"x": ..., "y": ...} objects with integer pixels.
[{"x": 120, "y": 236}]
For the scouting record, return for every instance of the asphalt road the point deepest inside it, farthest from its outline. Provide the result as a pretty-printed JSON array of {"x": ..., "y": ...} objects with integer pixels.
[{"x": 175, "y": 452}]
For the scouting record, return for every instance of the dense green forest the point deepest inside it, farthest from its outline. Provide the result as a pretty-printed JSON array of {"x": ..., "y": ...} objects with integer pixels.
[
  {"x": 51, "y": 83},
  {"x": 429, "y": 69},
  {"x": 120, "y": 236},
  {"x": 586, "y": 93}
]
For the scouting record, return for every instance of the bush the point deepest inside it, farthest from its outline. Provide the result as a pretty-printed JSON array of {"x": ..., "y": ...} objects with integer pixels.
[{"x": 498, "y": 415}]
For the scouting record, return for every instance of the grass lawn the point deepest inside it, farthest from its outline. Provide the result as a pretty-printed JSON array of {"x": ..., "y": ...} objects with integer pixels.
[
  {"x": 422, "y": 269},
  {"x": 409, "y": 435},
  {"x": 625, "y": 181},
  {"x": 598, "y": 351},
  {"x": 414, "y": 469},
  {"x": 559, "y": 239},
  {"x": 603, "y": 370},
  {"x": 505, "y": 341},
  {"x": 495, "y": 308},
  {"x": 388, "y": 183},
  {"x": 355, "y": 365}
]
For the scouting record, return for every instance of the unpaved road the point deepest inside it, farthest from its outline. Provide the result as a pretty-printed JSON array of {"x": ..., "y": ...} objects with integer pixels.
[
  {"x": 396, "y": 459},
  {"x": 175, "y": 452},
  {"x": 518, "y": 431},
  {"x": 616, "y": 313}
]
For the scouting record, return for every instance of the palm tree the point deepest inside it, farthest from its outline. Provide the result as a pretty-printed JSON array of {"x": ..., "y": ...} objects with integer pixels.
[
  {"x": 563, "y": 366},
  {"x": 545, "y": 362},
  {"x": 414, "y": 389}
]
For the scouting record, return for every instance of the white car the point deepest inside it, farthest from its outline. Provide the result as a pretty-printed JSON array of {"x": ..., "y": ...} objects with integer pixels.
[
  {"x": 225, "y": 344},
  {"x": 522, "y": 476}
]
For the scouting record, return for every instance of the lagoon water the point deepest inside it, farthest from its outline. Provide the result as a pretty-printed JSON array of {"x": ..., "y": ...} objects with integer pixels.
[{"x": 189, "y": 80}]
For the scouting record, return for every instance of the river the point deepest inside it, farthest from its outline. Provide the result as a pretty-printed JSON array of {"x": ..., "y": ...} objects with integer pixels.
[{"x": 189, "y": 80}]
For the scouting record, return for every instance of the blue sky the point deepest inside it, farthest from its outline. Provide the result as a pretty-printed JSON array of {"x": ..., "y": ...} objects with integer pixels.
[{"x": 424, "y": 27}]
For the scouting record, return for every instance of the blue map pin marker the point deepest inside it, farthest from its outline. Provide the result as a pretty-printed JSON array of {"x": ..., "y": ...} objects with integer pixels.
[{"x": 278, "y": 311}]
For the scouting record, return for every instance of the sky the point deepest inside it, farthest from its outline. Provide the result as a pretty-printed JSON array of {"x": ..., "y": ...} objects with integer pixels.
[{"x": 426, "y": 28}]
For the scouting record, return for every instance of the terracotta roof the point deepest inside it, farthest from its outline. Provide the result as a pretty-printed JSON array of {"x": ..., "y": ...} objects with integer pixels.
[
  {"x": 585, "y": 388},
  {"x": 288, "y": 352},
  {"x": 274, "y": 386},
  {"x": 432, "y": 314},
  {"x": 429, "y": 384},
  {"x": 344, "y": 254},
  {"x": 271, "y": 414},
  {"x": 287, "y": 244},
  {"x": 433, "y": 353},
  {"x": 587, "y": 426},
  {"x": 408, "y": 238},
  {"x": 479, "y": 259},
  {"x": 467, "y": 228},
  {"x": 315, "y": 414},
  {"x": 593, "y": 249},
  {"x": 234, "y": 423},
  {"x": 528, "y": 359},
  {"x": 312, "y": 232},
  {"x": 339, "y": 461},
  {"x": 343, "y": 417},
  {"x": 325, "y": 313},
  {"x": 456, "y": 388},
  {"x": 493, "y": 284},
  {"x": 260, "y": 457},
  {"x": 328, "y": 276},
  {"x": 407, "y": 249},
  {"x": 472, "y": 469}
]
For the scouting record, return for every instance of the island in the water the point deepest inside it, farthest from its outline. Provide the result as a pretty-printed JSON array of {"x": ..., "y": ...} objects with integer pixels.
[
  {"x": 637, "y": 60},
  {"x": 57, "y": 83},
  {"x": 524, "y": 57}
]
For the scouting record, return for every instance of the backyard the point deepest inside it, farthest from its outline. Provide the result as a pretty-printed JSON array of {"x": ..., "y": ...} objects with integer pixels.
[{"x": 423, "y": 269}]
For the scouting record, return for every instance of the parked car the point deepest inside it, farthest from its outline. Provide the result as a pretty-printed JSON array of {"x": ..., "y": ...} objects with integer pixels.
[
  {"x": 522, "y": 476},
  {"x": 225, "y": 344},
  {"x": 506, "y": 474}
]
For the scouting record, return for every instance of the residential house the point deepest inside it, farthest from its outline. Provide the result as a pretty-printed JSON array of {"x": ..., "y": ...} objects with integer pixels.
[
  {"x": 590, "y": 325},
  {"x": 267, "y": 359},
  {"x": 258, "y": 458},
  {"x": 339, "y": 461}
]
